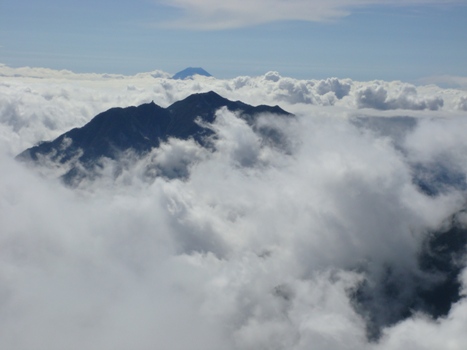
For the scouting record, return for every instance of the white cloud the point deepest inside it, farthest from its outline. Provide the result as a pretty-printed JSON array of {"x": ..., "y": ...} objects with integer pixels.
[
  {"x": 259, "y": 247},
  {"x": 381, "y": 96},
  {"x": 210, "y": 14},
  {"x": 447, "y": 81},
  {"x": 423, "y": 333},
  {"x": 462, "y": 104}
]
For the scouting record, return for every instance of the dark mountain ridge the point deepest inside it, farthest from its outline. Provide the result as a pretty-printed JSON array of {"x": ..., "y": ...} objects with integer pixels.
[
  {"x": 141, "y": 128},
  {"x": 431, "y": 290}
]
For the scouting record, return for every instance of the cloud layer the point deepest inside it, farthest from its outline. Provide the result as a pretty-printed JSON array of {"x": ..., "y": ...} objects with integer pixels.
[
  {"x": 34, "y": 101},
  {"x": 258, "y": 246}
]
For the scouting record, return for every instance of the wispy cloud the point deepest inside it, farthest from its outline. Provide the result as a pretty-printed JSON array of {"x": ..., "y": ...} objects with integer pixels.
[{"x": 215, "y": 15}]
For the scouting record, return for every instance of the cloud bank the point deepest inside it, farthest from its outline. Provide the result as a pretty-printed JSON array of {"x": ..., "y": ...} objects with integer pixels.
[
  {"x": 258, "y": 246},
  {"x": 39, "y": 104}
]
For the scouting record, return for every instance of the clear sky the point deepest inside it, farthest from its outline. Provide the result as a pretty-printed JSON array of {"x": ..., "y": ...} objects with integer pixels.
[{"x": 360, "y": 39}]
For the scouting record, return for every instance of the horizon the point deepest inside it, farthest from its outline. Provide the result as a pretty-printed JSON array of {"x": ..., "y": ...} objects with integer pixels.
[
  {"x": 410, "y": 42},
  {"x": 441, "y": 81}
]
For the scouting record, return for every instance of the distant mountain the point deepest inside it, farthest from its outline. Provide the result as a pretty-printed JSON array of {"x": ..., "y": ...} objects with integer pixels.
[
  {"x": 140, "y": 129},
  {"x": 190, "y": 72}
]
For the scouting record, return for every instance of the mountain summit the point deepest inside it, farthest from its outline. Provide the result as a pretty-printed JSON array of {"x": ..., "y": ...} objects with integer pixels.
[
  {"x": 140, "y": 129},
  {"x": 190, "y": 72}
]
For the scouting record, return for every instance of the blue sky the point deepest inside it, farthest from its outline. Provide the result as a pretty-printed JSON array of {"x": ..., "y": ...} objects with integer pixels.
[{"x": 359, "y": 39}]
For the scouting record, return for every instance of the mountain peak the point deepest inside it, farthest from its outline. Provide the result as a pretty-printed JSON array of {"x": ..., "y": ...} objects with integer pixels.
[
  {"x": 140, "y": 129},
  {"x": 190, "y": 72}
]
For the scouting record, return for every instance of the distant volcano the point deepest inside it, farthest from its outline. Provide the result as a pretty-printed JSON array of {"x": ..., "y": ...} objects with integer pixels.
[{"x": 190, "y": 72}]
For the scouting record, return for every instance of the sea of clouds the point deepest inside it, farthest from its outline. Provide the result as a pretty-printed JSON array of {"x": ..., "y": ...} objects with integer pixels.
[{"x": 258, "y": 245}]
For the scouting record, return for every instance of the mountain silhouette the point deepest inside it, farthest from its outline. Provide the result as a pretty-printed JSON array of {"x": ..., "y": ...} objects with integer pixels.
[
  {"x": 140, "y": 129},
  {"x": 190, "y": 72}
]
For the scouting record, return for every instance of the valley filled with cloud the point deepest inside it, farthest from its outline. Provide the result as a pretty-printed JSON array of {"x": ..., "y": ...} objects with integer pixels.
[{"x": 346, "y": 230}]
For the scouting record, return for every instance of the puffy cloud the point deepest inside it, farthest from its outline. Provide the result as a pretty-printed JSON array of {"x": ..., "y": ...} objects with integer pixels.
[
  {"x": 340, "y": 88},
  {"x": 39, "y": 104},
  {"x": 401, "y": 96},
  {"x": 251, "y": 244},
  {"x": 462, "y": 103},
  {"x": 422, "y": 332},
  {"x": 273, "y": 87}
]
